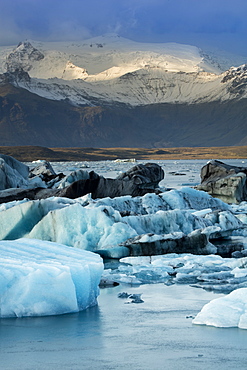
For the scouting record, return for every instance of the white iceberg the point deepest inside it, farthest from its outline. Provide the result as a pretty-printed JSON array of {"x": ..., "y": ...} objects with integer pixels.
[
  {"x": 225, "y": 312},
  {"x": 40, "y": 278}
]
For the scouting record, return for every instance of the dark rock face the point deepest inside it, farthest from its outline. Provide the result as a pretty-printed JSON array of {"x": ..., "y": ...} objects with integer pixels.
[
  {"x": 21, "y": 56},
  {"x": 104, "y": 125},
  {"x": 224, "y": 181}
]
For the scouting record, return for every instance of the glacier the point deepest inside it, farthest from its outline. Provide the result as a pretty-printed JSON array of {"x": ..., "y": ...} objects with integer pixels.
[{"x": 40, "y": 278}]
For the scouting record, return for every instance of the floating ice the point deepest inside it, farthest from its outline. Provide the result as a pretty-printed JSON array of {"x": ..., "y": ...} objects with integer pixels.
[
  {"x": 225, "y": 312},
  {"x": 40, "y": 278},
  {"x": 186, "y": 198},
  {"x": 211, "y": 272},
  {"x": 108, "y": 223}
]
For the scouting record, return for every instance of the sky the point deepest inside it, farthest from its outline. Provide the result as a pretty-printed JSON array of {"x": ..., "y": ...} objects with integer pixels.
[{"x": 215, "y": 24}]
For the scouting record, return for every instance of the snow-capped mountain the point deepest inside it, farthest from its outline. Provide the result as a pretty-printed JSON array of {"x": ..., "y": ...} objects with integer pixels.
[
  {"x": 112, "y": 69},
  {"x": 130, "y": 79}
]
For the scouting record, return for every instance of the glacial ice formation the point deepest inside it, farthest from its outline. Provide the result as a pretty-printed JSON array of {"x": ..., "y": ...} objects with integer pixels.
[{"x": 40, "y": 278}]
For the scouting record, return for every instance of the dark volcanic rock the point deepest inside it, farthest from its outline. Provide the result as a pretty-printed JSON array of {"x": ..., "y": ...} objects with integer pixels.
[
  {"x": 138, "y": 181},
  {"x": 224, "y": 181}
]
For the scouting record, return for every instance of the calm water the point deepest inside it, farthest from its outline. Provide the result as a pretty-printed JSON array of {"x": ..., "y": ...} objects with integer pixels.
[{"x": 156, "y": 334}]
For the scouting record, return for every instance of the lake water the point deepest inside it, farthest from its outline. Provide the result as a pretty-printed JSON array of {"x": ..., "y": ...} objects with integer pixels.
[{"x": 156, "y": 334}]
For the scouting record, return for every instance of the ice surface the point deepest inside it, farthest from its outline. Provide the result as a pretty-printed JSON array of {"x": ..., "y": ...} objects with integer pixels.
[
  {"x": 225, "y": 312},
  {"x": 40, "y": 278},
  {"x": 185, "y": 198}
]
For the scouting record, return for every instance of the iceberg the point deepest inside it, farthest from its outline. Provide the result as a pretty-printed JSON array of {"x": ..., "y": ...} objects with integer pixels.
[
  {"x": 39, "y": 278},
  {"x": 109, "y": 225},
  {"x": 225, "y": 312}
]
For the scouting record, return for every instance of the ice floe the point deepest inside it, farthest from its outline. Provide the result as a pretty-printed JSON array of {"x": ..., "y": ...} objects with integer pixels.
[
  {"x": 225, "y": 312},
  {"x": 40, "y": 278},
  {"x": 212, "y": 272}
]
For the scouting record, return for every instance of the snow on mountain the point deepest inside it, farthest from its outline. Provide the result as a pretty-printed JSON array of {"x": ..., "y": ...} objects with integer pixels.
[
  {"x": 112, "y": 69},
  {"x": 144, "y": 86},
  {"x": 102, "y": 53}
]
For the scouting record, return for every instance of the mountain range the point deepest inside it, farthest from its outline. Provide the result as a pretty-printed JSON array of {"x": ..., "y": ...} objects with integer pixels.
[{"x": 112, "y": 92}]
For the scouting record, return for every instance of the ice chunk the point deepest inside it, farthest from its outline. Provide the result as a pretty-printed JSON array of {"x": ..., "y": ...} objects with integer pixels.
[
  {"x": 91, "y": 227},
  {"x": 224, "y": 312},
  {"x": 19, "y": 217},
  {"x": 13, "y": 174},
  {"x": 77, "y": 226},
  {"x": 188, "y": 198},
  {"x": 40, "y": 278}
]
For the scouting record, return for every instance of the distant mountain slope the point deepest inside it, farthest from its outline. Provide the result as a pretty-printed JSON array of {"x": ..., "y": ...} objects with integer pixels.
[
  {"x": 28, "y": 119},
  {"x": 109, "y": 91}
]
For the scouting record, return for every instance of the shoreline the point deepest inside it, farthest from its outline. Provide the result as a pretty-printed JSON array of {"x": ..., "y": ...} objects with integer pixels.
[{"x": 31, "y": 153}]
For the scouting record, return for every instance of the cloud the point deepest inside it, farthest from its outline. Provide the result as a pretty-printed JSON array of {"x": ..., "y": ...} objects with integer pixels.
[{"x": 214, "y": 22}]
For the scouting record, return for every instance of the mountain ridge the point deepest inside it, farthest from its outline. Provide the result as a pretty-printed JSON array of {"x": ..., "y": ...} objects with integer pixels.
[
  {"x": 157, "y": 97},
  {"x": 28, "y": 119}
]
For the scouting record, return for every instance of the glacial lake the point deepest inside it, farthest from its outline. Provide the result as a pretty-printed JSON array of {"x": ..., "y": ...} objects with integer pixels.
[{"x": 156, "y": 334}]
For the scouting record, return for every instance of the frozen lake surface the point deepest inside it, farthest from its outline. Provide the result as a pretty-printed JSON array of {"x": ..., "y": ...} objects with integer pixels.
[{"x": 116, "y": 334}]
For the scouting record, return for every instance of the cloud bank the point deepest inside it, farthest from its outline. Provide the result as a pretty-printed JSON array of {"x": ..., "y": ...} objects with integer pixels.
[{"x": 217, "y": 23}]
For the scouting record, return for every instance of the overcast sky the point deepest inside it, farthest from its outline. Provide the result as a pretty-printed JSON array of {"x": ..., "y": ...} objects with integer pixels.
[{"x": 204, "y": 23}]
